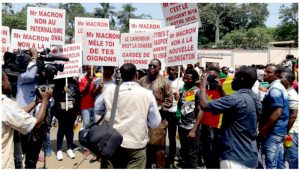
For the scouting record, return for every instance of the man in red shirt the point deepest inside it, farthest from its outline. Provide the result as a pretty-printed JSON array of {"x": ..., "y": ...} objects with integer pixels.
[
  {"x": 88, "y": 97},
  {"x": 210, "y": 123}
]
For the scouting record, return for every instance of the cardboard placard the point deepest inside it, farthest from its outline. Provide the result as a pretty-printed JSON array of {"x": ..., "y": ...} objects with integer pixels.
[
  {"x": 143, "y": 25},
  {"x": 72, "y": 67},
  {"x": 180, "y": 14},
  {"x": 47, "y": 21},
  {"x": 137, "y": 48},
  {"x": 92, "y": 23},
  {"x": 101, "y": 47},
  {"x": 21, "y": 39},
  {"x": 5, "y": 41},
  {"x": 183, "y": 45}
]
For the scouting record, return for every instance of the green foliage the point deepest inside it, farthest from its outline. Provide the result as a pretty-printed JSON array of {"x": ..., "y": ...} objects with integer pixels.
[
  {"x": 72, "y": 10},
  {"x": 288, "y": 28},
  {"x": 124, "y": 16},
  {"x": 127, "y": 13},
  {"x": 15, "y": 21},
  {"x": 218, "y": 19},
  {"x": 254, "y": 38},
  {"x": 106, "y": 11}
]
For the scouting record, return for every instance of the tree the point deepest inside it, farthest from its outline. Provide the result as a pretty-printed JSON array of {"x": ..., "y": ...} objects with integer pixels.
[
  {"x": 17, "y": 20},
  {"x": 72, "y": 10},
  {"x": 254, "y": 38},
  {"x": 124, "y": 15},
  {"x": 258, "y": 38},
  {"x": 288, "y": 28},
  {"x": 106, "y": 11},
  {"x": 7, "y": 9},
  {"x": 250, "y": 15},
  {"x": 213, "y": 14},
  {"x": 289, "y": 14},
  {"x": 219, "y": 19},
  {"x": 127, "y": 13}
]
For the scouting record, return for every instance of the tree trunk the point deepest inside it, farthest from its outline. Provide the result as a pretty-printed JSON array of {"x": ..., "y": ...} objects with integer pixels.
[{"x": 217, "y": 31}]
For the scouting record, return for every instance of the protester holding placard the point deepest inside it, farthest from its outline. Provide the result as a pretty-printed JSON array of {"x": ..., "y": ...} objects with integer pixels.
[
  {"x": 66, "y": 117},
  {"x": 164, "y": 97},
  {"x": 88, "y": 98},
  {"x": 176, "y": 83}
]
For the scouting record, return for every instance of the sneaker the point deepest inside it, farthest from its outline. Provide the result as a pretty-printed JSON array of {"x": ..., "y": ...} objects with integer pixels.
[
  {"x": 59, "y": 155},
  {"x": 70, "y": 154}
]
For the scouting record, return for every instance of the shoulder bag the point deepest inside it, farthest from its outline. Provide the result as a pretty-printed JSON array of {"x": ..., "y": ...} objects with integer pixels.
[{"x": 103, "y": 139}]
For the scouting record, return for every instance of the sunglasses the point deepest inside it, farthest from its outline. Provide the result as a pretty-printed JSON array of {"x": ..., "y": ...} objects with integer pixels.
[{"x": 152, "y": 65}]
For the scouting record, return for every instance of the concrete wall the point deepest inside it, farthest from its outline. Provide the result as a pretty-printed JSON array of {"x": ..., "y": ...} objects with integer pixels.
[{"x": 234, "y": 57}]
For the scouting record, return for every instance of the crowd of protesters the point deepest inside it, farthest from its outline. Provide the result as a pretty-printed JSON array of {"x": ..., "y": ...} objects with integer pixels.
[{"x": 254, "y": 127}]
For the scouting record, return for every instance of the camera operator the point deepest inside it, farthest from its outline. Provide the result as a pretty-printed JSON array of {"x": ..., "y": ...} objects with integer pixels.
[
  {"x": 26, "y": 92},
  {"x": 26, "y": 86},
  {"x": 16, "y": 118}
]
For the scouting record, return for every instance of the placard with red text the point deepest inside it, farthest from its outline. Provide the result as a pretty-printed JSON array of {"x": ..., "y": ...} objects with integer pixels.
[
  {"x": 101, "y": 47},
  {"x": 5, "y": 41},
  {"x": 47, "y": 21},
  {"x": 137, "y": 48},
  {"x": 183, "y": 45},
  {"x": 161, "y": 37},
  {"x": 92, "y": 23},
  {"x": 21, "y": 39},
  {"x": 72, "y": 67},
  {"x": 143, "y": 25},
  {"x": 180, "y": 14}
]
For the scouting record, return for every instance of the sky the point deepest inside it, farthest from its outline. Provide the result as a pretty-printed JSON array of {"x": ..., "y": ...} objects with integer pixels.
[{"x": 154, "y": 9}]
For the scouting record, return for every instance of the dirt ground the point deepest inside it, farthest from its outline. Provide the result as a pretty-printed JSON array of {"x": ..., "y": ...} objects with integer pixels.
[{"x": 81, "y": 161}]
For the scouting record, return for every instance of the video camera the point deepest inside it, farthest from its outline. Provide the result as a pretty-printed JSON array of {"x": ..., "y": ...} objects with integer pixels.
[
  {"x": 212, "y": 83},
  {"x": 17, "y": 62}
]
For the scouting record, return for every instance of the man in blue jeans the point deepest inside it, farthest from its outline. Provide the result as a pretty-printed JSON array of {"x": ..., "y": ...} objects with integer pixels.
[
  {"x": 86, "y": 86},
  {"x": 274, "y": 119},
  {"x": 291, "y": 152}
]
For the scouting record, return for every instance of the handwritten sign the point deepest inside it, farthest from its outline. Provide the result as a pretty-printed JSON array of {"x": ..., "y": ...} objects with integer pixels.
[
  {"x": 137, "y": 48},
  {"x": 72, "y": 67},
  {"x": 161, "y": 37},
  {"x": 101, "y": 47},
  {"x": 21, "y": 39},
  {"x": 92, "y": 23},
  {"x": 5, "y": 41},
  {"x": 47, "y": 21},
  {"x": 182, "y": 45},
  {"x": 180, "y": 14},
  {"x": 143, "y": 25}
]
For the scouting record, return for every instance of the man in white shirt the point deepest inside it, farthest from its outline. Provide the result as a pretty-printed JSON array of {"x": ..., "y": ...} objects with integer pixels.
[
  {"x": 291, "y": 153},
  {"x": 136, "y": 111},
  {"x": 14, "y": 117}
]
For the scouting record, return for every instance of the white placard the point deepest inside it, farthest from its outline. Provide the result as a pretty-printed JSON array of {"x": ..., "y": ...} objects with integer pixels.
[
  {"x": 21, "y": 39},
  {"x": 180, "y": 14},
  {"x": 92, "y": 23},
  {"x": 183, "y": 45},
  {"x": 72, "y": 67},
  {"x": 47, "y": 21},
  {"x": 101, "y": 47},
  {"x": 137, "y": 48},
  {"x": 143, "y": 25},
  {"x": 161, "y": 37},
  {"x": 5, "y": 41}
]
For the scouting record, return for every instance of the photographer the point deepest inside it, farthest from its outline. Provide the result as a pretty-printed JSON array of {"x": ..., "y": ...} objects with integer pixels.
[
  {"x": 26, "y": 91},
  {"x": 26, "y": 87},
  {"x": 14, "y": 117}
]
